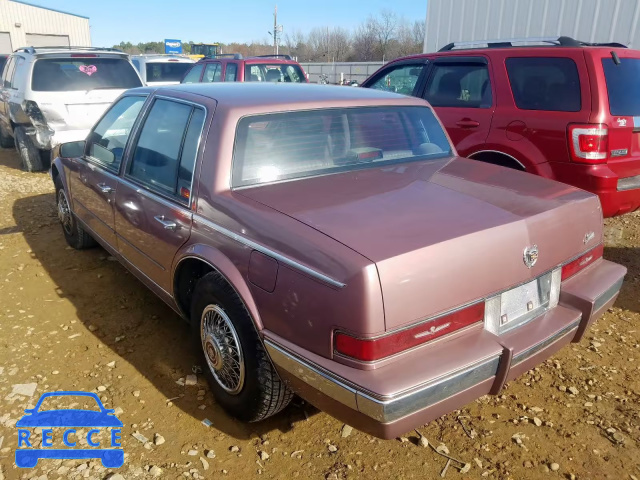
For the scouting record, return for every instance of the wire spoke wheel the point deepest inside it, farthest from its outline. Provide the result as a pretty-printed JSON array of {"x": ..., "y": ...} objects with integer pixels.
[
  {"x": 222, "y": 349},
  {"x": 64, "y": 213}
]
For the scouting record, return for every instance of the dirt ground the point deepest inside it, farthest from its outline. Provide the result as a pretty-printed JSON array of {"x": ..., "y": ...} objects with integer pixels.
[{"x": 74, "y": 320}]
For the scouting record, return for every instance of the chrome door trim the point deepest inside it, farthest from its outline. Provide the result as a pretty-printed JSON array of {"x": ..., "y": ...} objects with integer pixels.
[{"x": 267, "y": 251}]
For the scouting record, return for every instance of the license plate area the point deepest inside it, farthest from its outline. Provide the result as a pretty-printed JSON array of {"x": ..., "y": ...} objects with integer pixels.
[{"x": 518, "y": 305}]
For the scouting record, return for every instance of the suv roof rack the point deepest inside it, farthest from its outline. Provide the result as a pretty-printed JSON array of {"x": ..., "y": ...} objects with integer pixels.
[
  {"x": 509, "y": 42},
  {"x": 65, "y": 47},
  {"x": 235, "y": 56},
  {"x": 286, "y": 57}
]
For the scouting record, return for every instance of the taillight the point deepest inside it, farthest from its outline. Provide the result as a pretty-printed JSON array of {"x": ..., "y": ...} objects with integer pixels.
[
  {"x": 583, "y": 261},
  {"x": 371, "y": 349},
  {"x": 589, "y": 143}
]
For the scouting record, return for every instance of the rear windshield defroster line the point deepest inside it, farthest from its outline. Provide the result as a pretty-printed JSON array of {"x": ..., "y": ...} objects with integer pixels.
[{"x": 291, "y": 145}]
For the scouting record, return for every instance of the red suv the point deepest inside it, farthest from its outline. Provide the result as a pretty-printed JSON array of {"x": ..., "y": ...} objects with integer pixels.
[
  {"x": 233, "y": 67},
  {"x": 565, "y": 110}
]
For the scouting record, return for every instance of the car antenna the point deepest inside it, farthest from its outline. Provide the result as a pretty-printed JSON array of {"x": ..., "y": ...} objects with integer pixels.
[{"x": 615, "y": 57}]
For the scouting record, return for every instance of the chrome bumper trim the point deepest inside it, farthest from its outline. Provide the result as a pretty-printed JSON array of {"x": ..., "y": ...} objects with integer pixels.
[
  {"x": 628, "y": 183},
  {"x": 440, "y": 389},
  {"x": 607, "y": 295},
  {"x": 383, "y": 409},
  {"x": 529, "y": 352}
]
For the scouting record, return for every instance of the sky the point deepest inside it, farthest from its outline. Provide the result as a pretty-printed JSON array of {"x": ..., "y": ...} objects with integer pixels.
[{"x": 228, "y": 21}]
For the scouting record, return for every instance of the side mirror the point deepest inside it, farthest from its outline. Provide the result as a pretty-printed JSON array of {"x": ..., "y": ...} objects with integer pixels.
[{"x": 72, "y": 149}]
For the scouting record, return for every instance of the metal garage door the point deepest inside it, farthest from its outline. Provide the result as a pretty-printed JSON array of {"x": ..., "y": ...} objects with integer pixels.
[
  {"x": 40, "y": 40},
  {"x": 5, "y": 43}
]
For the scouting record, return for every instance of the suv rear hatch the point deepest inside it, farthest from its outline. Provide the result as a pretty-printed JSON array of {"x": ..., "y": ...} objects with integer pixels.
[
  {"x": 620, "y": 110},
  {"x": 166, "y": 71},
  {"x": 73, "y": 90}
]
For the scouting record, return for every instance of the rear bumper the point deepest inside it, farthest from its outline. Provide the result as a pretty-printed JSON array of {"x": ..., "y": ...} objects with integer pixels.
[
  {"x": 617, "y": 184},
  {"x": 435, "y": 379}
]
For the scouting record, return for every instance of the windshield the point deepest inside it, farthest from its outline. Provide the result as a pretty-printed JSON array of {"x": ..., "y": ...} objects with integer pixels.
[
  {"x": 282, "y": 146},
  {"x": 206, "y": 50},
  {"x": 166, "y": 71},
  {"x": 68, "y": 74},
  {"x": 623, "y": 86},
  {"x": 264, "y": 72}
]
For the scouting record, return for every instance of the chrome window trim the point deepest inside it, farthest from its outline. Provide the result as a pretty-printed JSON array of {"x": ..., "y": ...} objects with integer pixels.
[
  {"x": 267, "y": 251},
  {"x": 130, "y": 150},
  {"x": 532, "y": 350}
]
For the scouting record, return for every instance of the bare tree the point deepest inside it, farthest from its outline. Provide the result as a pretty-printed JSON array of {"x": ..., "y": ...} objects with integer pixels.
[
  {"x": 339, "y": 44},
  {"x": 365, "y": 41},
  {"x": 386, "y": 25}
]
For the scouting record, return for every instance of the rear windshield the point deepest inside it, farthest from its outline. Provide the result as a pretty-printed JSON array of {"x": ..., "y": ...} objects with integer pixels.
[
  {"x": 68, "y": 74},
  {"x": 264, "y": 72},
  {"x": 283, "y": 146},
  {"x": 167, "y": 71},
  {"x": 623, "y": 85}
]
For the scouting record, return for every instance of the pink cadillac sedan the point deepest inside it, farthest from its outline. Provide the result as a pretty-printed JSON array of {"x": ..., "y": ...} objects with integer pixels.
[{"x": 330, "y": 242}]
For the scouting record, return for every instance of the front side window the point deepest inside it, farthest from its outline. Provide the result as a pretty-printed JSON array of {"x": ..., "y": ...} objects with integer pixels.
[
  {"x": 72, "y": 74},
  {"x": 164, "y": 157},
  {"x": 193, "y": 76},
  {"x": 106, "y": 143},
  {"x": 212, "y": 73},
  {"x": 401, "y": 79},
  {"x": 459, "y": 85},
  {"x": 545, "y": 83},
  {"x": 231, "y": 72},
  {"x": 279, "y": 72},
  {"x": 283, "y": 146}
]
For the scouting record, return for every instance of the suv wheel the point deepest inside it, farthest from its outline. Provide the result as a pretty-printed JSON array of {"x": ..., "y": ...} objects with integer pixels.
[
  {"x": 29, "y": 153},
  {"x": 6, "y": 141},
  {"x": 241, "y": 376},
  {"x": 74, "y": 234}
]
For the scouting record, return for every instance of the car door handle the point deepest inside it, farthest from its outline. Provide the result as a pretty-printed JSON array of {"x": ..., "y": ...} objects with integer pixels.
[
  {"x": 104, "y": 188},
  {"x": 468, "y": 123},
  {"x": 167, "y": 224}
]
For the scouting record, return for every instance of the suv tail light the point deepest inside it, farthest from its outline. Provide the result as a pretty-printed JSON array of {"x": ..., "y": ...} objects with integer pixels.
[
  {"x": 583, "y": 261},
  {"x": 589, "y": 143},
  {"x": 372, "y": 349}
]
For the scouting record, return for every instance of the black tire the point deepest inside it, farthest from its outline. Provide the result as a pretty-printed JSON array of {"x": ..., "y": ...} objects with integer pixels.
[
  {"x": 74, "y": 234},
  {"x": 6, "y": 140},
  {"x": 261, "y": 393},
  {"x": 29, "y": 153}
]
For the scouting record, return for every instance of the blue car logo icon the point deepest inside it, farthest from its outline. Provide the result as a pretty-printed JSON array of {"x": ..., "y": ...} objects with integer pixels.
[{"x": 69, "y": 419}]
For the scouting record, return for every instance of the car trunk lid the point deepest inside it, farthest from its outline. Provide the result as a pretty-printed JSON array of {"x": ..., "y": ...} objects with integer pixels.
[{"x": 441, "y": 233}]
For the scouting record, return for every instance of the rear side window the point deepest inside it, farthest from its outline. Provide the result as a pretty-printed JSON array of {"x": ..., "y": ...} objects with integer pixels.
[
  {"x": 545, "y": 83},
  {"x": 623, "y": 86},
  {"x": 264, "y": 72},
  {"x": 70, "y": 74},
  {"x": 165, "y": 154},
  {"x": 282, "y": 146},
  {"x": 194, "y": 74},
  {"x": 459, "y": 85},
  {"x": 166, "y": 71},
  {"x": 399, "y": 79}
]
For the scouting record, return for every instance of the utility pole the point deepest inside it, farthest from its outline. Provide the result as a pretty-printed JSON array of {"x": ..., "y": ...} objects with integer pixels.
[{"x": 275, "y": 30}]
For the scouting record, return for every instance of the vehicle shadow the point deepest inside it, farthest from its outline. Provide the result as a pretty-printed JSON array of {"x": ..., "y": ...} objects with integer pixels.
[
  {"x": 10, "y": 158},
  {"x": 630, "y": 258},
  {"x": 131, "y": 321}
]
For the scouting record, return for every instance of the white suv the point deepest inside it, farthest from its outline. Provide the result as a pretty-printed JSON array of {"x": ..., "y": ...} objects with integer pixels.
[
  {"x": 53, "y": 95},
  {"x": 157, "y": 69}
]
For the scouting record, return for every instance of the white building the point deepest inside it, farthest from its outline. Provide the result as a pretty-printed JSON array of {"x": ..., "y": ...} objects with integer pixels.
[
  {"x": 586, "y": 20},
  {"x": 25, "y": 25}
]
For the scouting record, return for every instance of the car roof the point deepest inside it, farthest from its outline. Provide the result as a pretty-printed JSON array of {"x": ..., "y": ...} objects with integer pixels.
[
  {"x": 68, "y": 50},
  {"x": 158, "y": 57},
  {"x": 280, "y": 96},
  {"x": 269, "y": 60}
]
